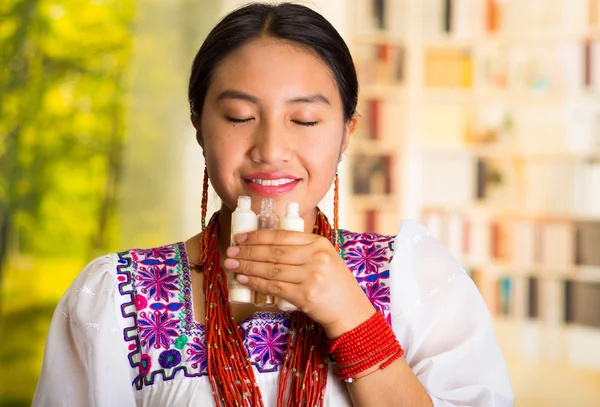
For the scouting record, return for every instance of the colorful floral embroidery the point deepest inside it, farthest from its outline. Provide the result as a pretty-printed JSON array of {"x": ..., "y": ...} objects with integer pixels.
[
  {"x": 140, "y": 302},
  {"x": 169, "y": 358},
  {"x": 366, "y": 261},
  {"x": 197, "y": 354},
  {"x": 165, "y": 341},
  {"x": 156, "y": 329},
  {"x": 379, "y": 295},
  {"x": 157, "y": 282},
  {"x": 350, "y": 239},
  {"x": 181, "y": 341},
  {"x": 157, "y": 253},
  {"x": 145, "y": 364},
  {"x": 267, "y": 344}
]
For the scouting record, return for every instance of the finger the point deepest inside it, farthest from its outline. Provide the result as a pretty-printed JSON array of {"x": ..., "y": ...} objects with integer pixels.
[
  {"x": 281, "y": 289},
  {"x": 277, "y": 236},
  {"x": 290, "y": 255},
  {"x": 268, "y": 271}
]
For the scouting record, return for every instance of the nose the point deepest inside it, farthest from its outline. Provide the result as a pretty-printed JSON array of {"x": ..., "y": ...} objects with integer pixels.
[{"x": 271, "y": 143}]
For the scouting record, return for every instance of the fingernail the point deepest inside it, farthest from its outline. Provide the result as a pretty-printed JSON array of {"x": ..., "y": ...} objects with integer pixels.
[
  {"x": 242, "y": 279},
  {"x": 241, "y": 237},
  {"x": 231, "y": 264},
  {"x": 232, "y": 251}
]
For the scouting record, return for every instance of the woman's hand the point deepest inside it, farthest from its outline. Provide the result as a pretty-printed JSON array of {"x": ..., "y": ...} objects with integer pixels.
[{"x": 304, "y": 269}]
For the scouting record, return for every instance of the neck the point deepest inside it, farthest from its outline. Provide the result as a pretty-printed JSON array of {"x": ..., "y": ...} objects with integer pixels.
[{"x": 225, "y": 225}]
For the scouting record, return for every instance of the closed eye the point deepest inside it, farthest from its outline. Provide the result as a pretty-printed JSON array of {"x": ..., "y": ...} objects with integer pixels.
[
  {"x": 307, "y": 124},
  {"x": 238, "y": 120}
]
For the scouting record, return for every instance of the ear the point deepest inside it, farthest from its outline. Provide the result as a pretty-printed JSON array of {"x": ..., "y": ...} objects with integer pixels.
[
  {"x": 196, "y": 123},
  {"x": 349, "y": 129}
]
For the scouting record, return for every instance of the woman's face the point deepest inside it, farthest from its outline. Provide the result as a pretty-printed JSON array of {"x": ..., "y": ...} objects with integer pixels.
[{"x": 272, "y": 126}]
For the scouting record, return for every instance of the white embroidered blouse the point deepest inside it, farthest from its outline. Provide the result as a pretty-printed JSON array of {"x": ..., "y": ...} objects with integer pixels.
[{"x": 123, "y": 334}]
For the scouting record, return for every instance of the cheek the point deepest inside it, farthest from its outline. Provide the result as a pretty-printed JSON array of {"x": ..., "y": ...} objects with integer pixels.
[
  {"x": 320, "y": 158},
  {"x": 324, "y": 150},
  {"x": 222, "y": 146},
  {"x": 223, "y": 159}
]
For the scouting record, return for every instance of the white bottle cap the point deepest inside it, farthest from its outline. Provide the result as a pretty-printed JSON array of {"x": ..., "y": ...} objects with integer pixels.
[
  {"x": 292, "y": 209},
  {"x": 244, "y": 202}
]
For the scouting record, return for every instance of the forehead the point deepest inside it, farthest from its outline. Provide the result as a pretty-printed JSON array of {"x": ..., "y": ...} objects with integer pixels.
[{"x": 274, "y": 67}]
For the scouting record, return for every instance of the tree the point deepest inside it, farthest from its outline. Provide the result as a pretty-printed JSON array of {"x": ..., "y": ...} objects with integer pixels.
[{"x": 62, "y": 95}]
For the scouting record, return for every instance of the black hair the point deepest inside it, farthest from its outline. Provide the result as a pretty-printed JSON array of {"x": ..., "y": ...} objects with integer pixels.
[{"x": 286, "y": 21}]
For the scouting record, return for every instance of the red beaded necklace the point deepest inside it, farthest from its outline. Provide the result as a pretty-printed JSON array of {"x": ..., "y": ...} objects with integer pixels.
[{"x": 303, "y": 375}]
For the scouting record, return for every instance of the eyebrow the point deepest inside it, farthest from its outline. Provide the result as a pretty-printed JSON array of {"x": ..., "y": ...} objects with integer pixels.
[
  {"x": 234, "y": 94},
  {"x": 314, "y": 98}
]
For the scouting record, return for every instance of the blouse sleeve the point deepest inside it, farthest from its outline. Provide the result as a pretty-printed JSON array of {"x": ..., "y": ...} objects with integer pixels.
[
  {"x": 85, "y": 360},
  {"x": 443, "y": 323}
]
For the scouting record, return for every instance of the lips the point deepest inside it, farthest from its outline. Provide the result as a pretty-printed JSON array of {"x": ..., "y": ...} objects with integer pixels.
[{"x": 271, "y": 183}]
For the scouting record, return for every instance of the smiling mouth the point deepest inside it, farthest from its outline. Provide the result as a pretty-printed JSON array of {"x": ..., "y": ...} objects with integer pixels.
[{"x": 272, "y": 182}]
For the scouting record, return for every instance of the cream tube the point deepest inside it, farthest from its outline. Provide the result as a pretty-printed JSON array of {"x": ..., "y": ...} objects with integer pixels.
[
  {"x": 243, "y": 219},
  {"x": 291, "y": 221}
]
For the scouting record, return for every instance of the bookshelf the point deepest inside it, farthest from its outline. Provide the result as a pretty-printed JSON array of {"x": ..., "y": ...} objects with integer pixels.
[{"x": 481, "y": 118}]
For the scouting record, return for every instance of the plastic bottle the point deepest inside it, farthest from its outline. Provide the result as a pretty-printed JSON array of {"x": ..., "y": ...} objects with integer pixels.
[
  {"x": 267, "y": 219},
  {"x": 243, "y": 219},
  {"x": 291, "y": 221}
]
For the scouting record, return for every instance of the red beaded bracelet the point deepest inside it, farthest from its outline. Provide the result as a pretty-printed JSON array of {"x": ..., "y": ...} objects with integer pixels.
[
  {"x": 362, "y": 333},
  {"x": 350, "y": 371},
  {"x": 385, "y": 364},
  {"x": 349, "y": 355},
  {"x": 367, "y": 345}
]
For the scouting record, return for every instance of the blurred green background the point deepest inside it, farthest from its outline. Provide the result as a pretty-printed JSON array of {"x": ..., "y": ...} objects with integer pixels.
[{"x": 92, "y": 107}]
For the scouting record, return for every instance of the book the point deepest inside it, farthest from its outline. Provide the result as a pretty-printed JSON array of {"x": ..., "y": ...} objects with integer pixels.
[
  {"x": 587, "y": 57},
  {"x": 447, "y": 16},
  {"x": 448, "y": 68},
  {"x": 556, "y": 245},
  {"x": 523, "y": 243},
  {"x": 505, "y": 296},
  {"x": 481, "y": 177},
  {"x": 587, "y": 243},
  {"x": 533, "y": 306},
  {"x": 379, "y": 13},
  {"x": 499, "y": 240},
  {"x": 492, "y": 16},
  {"x": 374, "y": 118},
  {"x": 582, "y": 302},
  {"x": 552, "y": 304}
]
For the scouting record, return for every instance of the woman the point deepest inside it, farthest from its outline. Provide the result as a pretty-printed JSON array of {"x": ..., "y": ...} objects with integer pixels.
[{"x": 273, "y": 94}]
